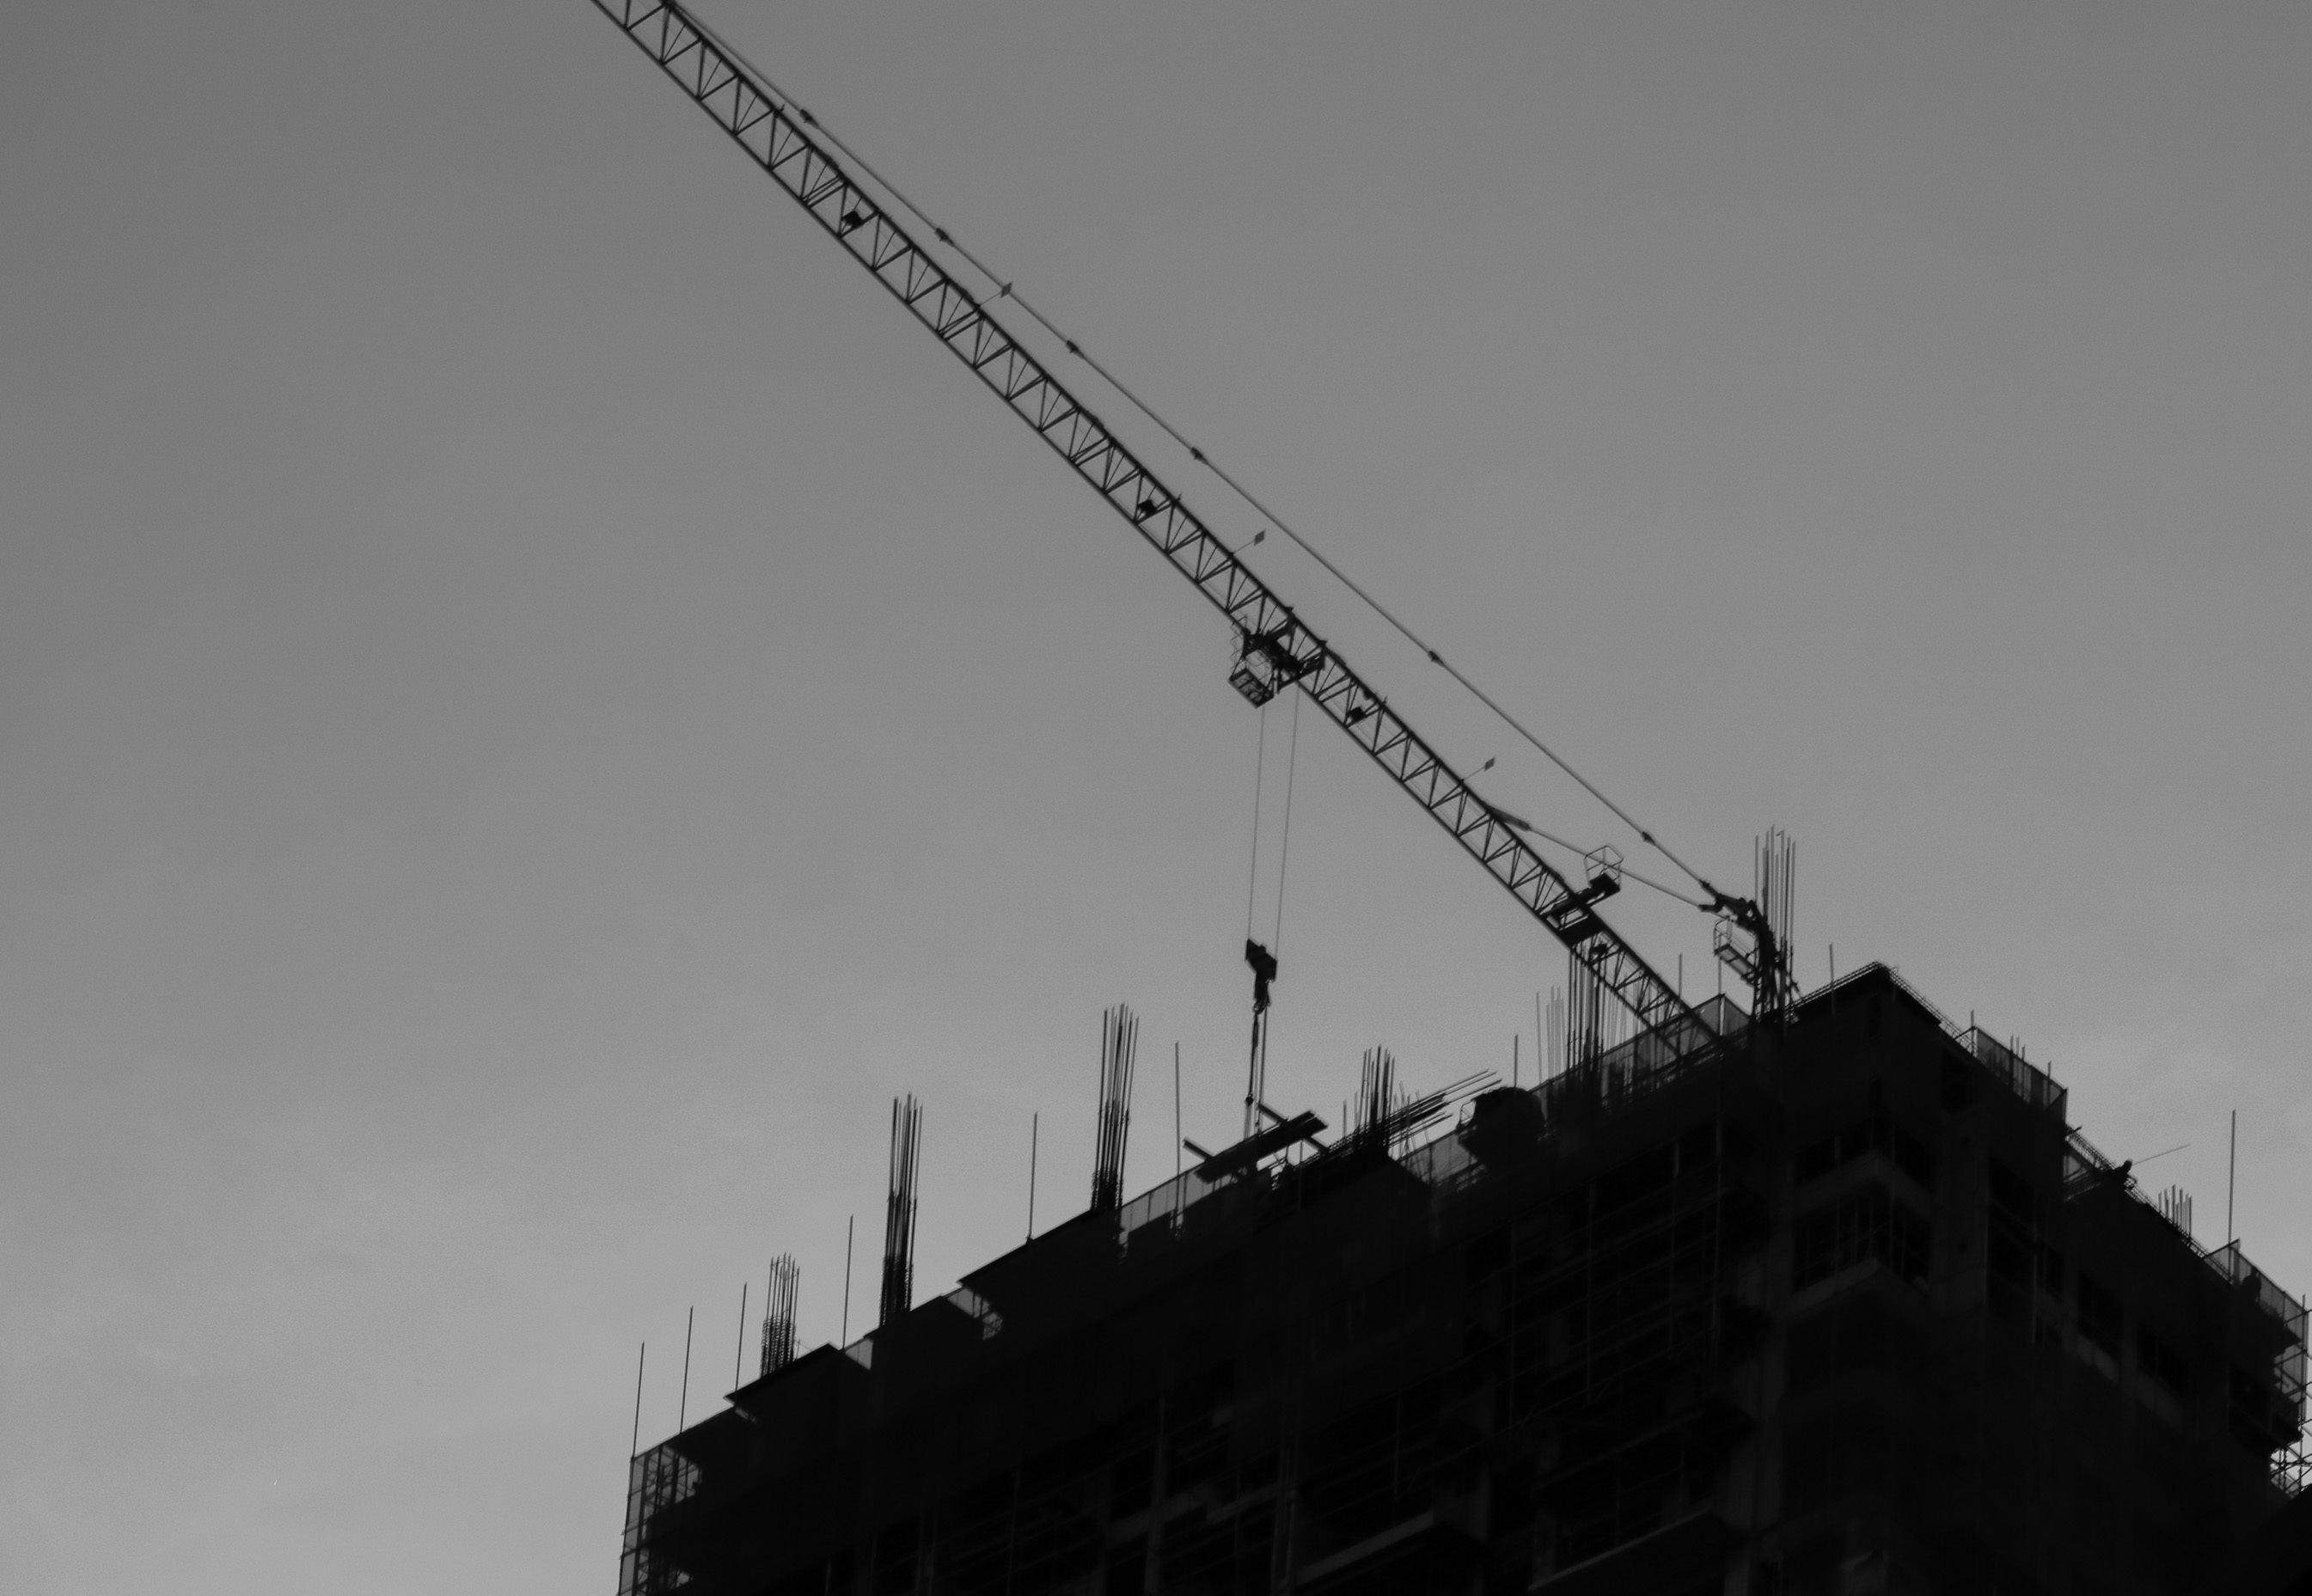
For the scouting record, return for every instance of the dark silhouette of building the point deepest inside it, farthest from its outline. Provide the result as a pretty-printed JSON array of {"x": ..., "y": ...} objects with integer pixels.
[
  {"x": 1845, "y": 1308},
  {"x": 2275, "y": 1559}
]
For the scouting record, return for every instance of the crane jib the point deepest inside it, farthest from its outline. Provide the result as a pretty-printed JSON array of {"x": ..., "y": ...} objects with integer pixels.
[{"x": 1279, "y": 650}]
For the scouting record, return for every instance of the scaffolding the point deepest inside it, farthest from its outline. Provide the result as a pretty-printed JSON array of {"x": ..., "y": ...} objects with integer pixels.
[
  {"x": 1620, "y": 1320},
  {"x": 656, "y": 1480},
  {"x": 1558, "y": 1368}
]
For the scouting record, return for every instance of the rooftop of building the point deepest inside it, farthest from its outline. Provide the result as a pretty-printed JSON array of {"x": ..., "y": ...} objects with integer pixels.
[{"x": 1056, "y": 1273}]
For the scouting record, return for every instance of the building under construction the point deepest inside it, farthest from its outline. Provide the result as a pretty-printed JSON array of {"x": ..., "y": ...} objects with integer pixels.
[
  {"x": 1845, "y": 1304},
  {"x": 1833, "y": 1299}
]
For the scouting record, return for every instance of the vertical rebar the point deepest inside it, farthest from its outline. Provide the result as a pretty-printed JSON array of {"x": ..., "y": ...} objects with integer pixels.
[
  {"x": 635, "y": 1445},
  {"x": 1372, "y": 1118},
  {"x": 850, "y": 1220},
  {"x": 2231, "y": 1181},
  {"x": 738, "y": 1353},
  {"x": 1542, "y": 1051},
  {"x": 1119, "y": 1043},
  {"x": 900, "y": 1210},
  {"x": 779, "y": 1317}
]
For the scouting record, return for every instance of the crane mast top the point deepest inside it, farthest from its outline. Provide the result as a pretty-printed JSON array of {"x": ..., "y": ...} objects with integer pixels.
[{"x": 1275, "y": 650}]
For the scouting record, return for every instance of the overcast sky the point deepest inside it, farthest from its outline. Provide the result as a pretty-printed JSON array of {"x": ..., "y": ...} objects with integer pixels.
[{"x": 534, "y": 699}]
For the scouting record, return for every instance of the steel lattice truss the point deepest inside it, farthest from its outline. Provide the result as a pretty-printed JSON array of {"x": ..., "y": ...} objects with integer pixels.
[{"x": 1278, "y": 650}]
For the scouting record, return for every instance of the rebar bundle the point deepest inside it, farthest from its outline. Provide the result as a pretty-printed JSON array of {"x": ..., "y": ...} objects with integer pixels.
[
  {"x": 1377, "y": 1097},
  {"x": 1596, "y": 1021},
  {"x": 899, "y": 1209},
  {"x": 1386, "y": 1117},
  {"x": 779, "y": 1314},
  {"x": 1775, "y": 870},
  {"x": 1119, "y": 1040}
]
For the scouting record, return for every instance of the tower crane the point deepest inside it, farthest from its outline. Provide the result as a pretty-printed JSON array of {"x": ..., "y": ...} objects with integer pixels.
[{"x": 1275, "y": 650}]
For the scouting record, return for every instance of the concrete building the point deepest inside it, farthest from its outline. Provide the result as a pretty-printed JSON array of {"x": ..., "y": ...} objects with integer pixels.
[{"x": 1847, "y": 1307}]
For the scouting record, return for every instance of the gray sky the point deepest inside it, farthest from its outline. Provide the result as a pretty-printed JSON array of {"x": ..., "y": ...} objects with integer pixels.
[{"x": 533, "y": 698}]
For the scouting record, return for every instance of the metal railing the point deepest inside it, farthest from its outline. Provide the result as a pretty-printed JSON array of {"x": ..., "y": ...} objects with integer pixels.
[{"x": 2026, "y": 1081}]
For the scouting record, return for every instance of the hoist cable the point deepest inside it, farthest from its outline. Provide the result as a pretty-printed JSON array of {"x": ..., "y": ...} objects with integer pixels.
[
  {"x": 1284, "y": 849},
  {"x": 1259, "y": 764}
]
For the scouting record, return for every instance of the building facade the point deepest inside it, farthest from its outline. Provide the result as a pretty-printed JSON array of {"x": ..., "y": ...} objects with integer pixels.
[{"x": 1848, "y": 1307}]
